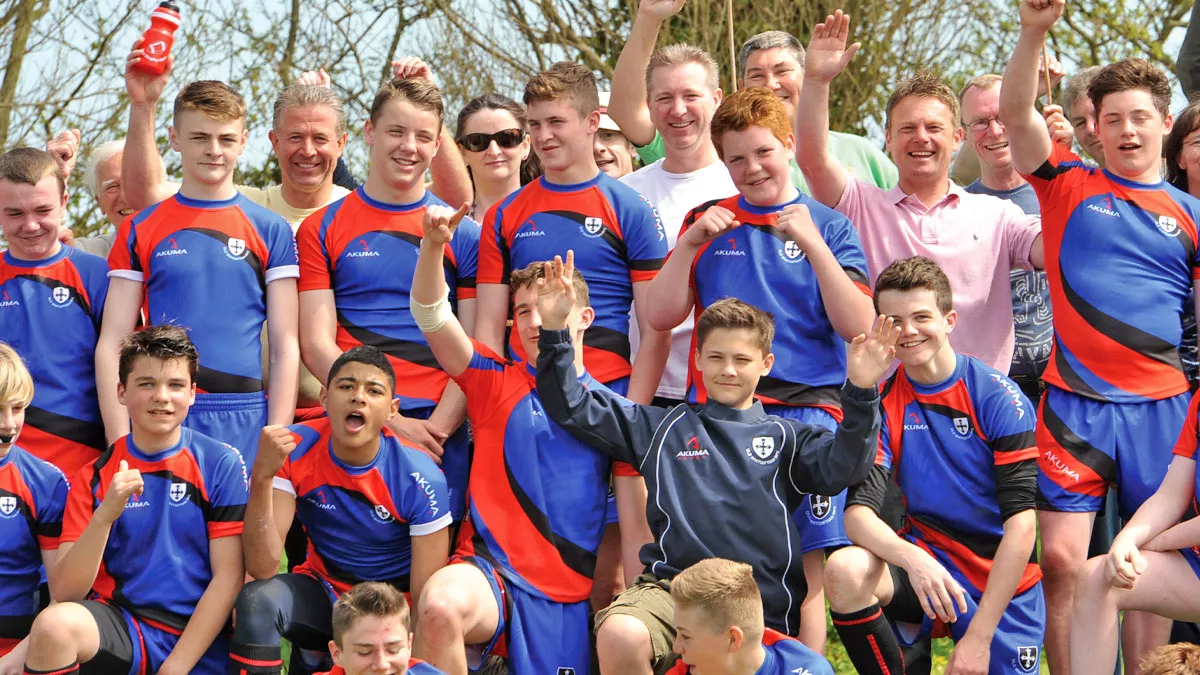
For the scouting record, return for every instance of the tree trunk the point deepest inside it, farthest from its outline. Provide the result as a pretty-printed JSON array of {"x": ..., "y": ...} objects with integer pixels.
[{"x": 27, "y": 12}]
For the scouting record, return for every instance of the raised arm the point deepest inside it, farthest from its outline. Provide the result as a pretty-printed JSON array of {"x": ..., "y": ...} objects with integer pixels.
[
  {"x": 827, "y": 56},
  {"x": 1027, "y": 135},
  {"x": 143, "y": 180},
  {"x": 429, "y": 299},
  {"x": 627, "y": 105}
]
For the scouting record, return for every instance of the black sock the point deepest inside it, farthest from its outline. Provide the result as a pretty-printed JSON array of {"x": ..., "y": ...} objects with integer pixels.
[
  {"x": 869, "y": 641},
  {"x": 256, "y": 659},
  {"x": 65, "y": 670}
]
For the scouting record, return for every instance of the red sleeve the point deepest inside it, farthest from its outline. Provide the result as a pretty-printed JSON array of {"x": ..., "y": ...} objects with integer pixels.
[
  {"x": 121, "y": 257},
  {"x": 79, "y": 509},
  {"x": 680, "y": 668},
  {"x": 314, "y": 259},
  {"x": 1060, "y": 172},
  {"x": 624, "y": 470},
  {"x": 1186, "y": 445},
  {"x": 493, "y": 264}
]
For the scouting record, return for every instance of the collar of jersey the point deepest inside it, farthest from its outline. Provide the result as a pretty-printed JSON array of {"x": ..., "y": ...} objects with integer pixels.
[
  {"x": 960, "y": 365},
  {"x": 720, "y": 411},
  {"x": 207, "y": 203},
  {"x": 185, "y": 435},
  {"x": 767, "y": 210},
  {"x": 11, "y": 259},
  {"x": 394, "y": 208},
  {"x": 1131, "y": 183},
  {"x": 570, "y": 187},
  {"x": 358, "y": 470}
]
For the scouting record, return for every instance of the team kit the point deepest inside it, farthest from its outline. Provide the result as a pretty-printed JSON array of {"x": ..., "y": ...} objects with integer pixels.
[{"x": 510, "y": 404}]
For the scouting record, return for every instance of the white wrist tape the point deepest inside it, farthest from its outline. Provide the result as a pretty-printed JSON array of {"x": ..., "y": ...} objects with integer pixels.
[{"x": 431, "y": 318}]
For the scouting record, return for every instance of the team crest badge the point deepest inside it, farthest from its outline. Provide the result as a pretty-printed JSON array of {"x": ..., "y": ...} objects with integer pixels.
[
  {"x": 820, "y": 507},
  {"x": 762, "y": 449},
  {"x": 563, "y": 670},
  {"x": 382, "y": 513},
  {"x": 60, "y": 296},
  {"x": 962, "y": 426},
  {"x": 236, "y": 248},
  {"x": 1168, "y": 225},
  {"x": 1027, "y": 658},
  {"x": 8, "y": 505},
  {"x": 593, "y": 225},
  {"x": 178, "y": 492},
  {"x": 792, "y": 251}
]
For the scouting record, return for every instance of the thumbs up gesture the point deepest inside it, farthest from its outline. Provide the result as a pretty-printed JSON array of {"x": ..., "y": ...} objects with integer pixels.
[{"x": 125, "y": 482}]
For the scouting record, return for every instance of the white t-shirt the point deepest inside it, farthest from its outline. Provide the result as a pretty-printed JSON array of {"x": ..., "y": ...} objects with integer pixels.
[{"x": 674, "y": 195}]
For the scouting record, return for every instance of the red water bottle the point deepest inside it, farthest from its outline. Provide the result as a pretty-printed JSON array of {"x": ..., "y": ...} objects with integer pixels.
[{"x": 157, "y": 41}]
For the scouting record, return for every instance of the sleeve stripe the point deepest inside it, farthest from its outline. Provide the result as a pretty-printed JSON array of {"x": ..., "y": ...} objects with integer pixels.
[
  {"x": 422, "y": 529},
  {"x": 646, "y": 265},
  {"x": 234, "y": 513},
  {"x": 1014, "y": 456},
  {"x": 1014, "y": 442},
  {"x": 282, "y": 272},
  {"x": 283, "y": 485},
  {"x": 131, "y": 275}
]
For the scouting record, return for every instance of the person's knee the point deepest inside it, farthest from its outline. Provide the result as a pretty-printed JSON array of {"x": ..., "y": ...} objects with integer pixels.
[
  {"x": 1062, "y": 559},
  {"x": 257, "y": 616},
  {"x": 442, "y": 610},
  {"x": 623, "y": 644},
  {"x": 1090, "y": 582},
  {"x": 59, "y": 627},
  {"x": 845, "y": 579}
]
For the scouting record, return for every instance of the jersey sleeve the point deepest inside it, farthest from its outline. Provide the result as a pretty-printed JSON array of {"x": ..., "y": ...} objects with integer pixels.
[
  {"x": 1187, "y": 443},
  {"x": 1057, "y": 176},
  {"x": 843, "y": 241},
  {"x": 283, "y": 262},
  {"x": 653, "y": 152},
  {"x": 313, "y": 258},
  {"x": 50, "y": 513},
  {"x": 424, "y": 504},
  {"x": 494, "y": 264},
  {"x": 1008, "y": 422},
  {"x": 645, "y": 238},
  {"x": 466, "y": 257},
  {"x": 80, "y": 505},
  {"x": 482, "y": 379},
  {"x": 123, "y": 260},
  {"x": 228, "y": 491}
]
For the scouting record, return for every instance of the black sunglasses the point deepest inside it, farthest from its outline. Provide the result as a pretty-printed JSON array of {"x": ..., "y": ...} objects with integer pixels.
[{"x": 507, "y": 138}]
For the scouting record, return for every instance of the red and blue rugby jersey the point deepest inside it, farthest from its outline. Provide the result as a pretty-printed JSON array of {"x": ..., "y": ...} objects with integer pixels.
[
  {"x": 156, "y": 563},
  {"x": 366, "y": 251},
  {"x": 1120, "y": 259},
  {"x": 784, "y": 655},
  {"x": 942, "y": 444},
  {"x": 618, "y": 241},
  {"x": 759, "y": 264},
  {"x": 1189, "y": 439},
  {"x": 50, "y": 312},
  {"x": 359, "y": 519},
  {"x": 537, "y": 496},
  {"x": 33, "y": 495},
  {"x": 205, "y": 266}
]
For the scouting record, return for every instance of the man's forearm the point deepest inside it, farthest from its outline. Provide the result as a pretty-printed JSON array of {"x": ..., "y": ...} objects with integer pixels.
[
  {"x": 261, "y": 542},
  {"x": 141, "y": 165},
  {"x": 1008, "y": 567},
  {"x": 451, "y": 182}
]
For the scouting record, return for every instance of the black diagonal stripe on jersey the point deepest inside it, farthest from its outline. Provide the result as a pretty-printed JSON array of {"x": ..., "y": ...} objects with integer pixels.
[
  {"x": 21, "y": 507},
  {"x": 94, "y": 480},
  {"x": 1081, "y": 450},
  {"x": 451, "y": 268},
  {"x": 607, "y": 339},
  {"x": 67, "y": 428},
  {"x": 794, "y": 393},
  {"x": 979, "y": 544},
  {"x": 1180, "y": 234},
  {"x": 135, "y": 261},
  {"x": 943, "y": 410},
  {"x": 216, "y": 382},
  {"x": 646, "y": 265},
  {"x": 251, "y": 259},
  {"x": 1014, "y": 442},
  {"x": 360, "y": 497},
  {"x": 857, "y": 277},
  {"x": 617, "y": 243},
  {"x": 573, "y": 555},
  {"x": 1048, "y": 171},
  {"x": 403, "y": 350},
  {"x": 1122, "y": 333},
  {"x": 1072, "y": 379},
  {"x": 55, "y": 283},
  {"x": 15, "y": 627},
  {"x": 193, "y": 491}
]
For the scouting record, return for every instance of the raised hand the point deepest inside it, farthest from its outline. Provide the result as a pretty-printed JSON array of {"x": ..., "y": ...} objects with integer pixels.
[
  {"x": 411, "y": 67},
  {"x": 871, "y": 355},
  {"x": 125, "y": 482},
  {"x": 318, "y": 78},
  {"x": 660, "y": 10},
  {"x": 556, "y": 292},
  {"x": 1056, "y": 74},
  {"x": 1061, "y": 131},
  {"x": 441, "y": 221},
  {"x": 713, "y": 223},
  {"x": 65, "y": 149},
  {"x": 797, "y": 222},
  {"x": 1041, "y": 14},
  {"x": 145, "y": 88},
  {"x": 827, "y": 53},
  {"x": 275, "y": 443}
]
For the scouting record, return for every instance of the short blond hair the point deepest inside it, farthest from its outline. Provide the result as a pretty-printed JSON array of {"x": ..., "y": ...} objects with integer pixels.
[
  {"x": 215, "y": 100},
  {"x": 566, "y": 81},
  {"x": 681, "y": 54},
  {"x": 16, "y": 384},
  {"x": 724, "y": 592}
]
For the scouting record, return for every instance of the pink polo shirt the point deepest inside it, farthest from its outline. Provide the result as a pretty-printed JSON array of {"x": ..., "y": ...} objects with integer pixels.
[{"x": 975, "y": 239}]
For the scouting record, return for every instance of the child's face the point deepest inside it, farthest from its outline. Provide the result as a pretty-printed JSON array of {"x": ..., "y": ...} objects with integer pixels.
[
  {"x": 731, "y": 363},
  {"x": 158, "y": 394},
  {"x": 12, "y": 418},
  {"x": 706, "y": 652},
  {"x": 374, "y": 645},
  {"x": 759, "y": 164},
  {"x": 924, "y": 330}
]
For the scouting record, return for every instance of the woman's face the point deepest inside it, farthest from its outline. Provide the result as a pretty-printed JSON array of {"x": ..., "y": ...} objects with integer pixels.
[
  {"x": 1189, "y": 159},
  {"x": 494, "y": 163}
]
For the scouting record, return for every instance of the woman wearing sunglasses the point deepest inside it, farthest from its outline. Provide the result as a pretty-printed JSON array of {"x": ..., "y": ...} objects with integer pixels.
[{"x": 495, "y": 146}]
